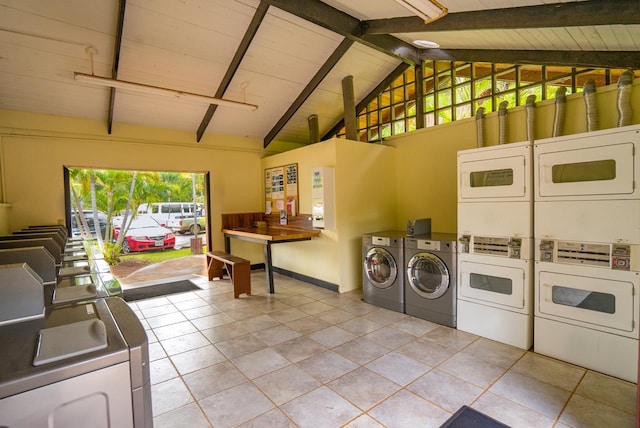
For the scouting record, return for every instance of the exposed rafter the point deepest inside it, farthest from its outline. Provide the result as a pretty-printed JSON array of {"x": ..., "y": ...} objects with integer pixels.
[
  {"x": 370, "y": 97},
  {"x": 257, "y": 19},
  {"x": 583, "y": 13},
  {"x": 308, "y": 90},
  {"x": 116, "y": 62},
  {"x": 347, "y": 26},
  {"x": 609, "y": 59}
]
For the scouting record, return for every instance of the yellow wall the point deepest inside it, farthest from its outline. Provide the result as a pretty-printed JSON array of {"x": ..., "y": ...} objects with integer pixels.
[
  {"x": 35, "y": 148},
  {"x": 426, "y": 169},
  {"x": 364, "y": 200}
]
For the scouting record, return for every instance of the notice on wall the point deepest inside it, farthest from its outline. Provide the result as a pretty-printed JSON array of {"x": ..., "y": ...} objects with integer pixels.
[{"x": 281, "y": 189}]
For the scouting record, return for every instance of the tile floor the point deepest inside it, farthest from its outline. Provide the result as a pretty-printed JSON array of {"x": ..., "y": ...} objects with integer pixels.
[{"x": 310, "y": 357}]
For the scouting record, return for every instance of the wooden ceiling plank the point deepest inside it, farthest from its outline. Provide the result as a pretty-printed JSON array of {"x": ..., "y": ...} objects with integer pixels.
[
  {"x": 597, "y": 59},
  {"x": 573, "y": 14},
  {"x": 249, "y": 34},
  {"x": 308, "y": 90}
]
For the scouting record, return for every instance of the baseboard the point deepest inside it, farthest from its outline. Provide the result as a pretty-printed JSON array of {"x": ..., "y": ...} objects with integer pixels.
[
  {"x": 305, "y": 278},
  {"x": 257, "y": 266}
]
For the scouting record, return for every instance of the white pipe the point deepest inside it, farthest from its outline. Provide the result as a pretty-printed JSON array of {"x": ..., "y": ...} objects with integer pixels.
[
  {"x": 589, "y": 94},
  {"x": 530, "y": 110},
  {"x": 561, "y": 105},
  {"x": 480, "y": 126},
  {"x": 502, "y": 122},
  {"x": 625, "y": 112}
]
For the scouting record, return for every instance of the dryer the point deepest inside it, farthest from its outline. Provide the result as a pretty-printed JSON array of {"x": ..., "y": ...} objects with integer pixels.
[
  {"x": 382, "y": 276},
  {"x": 430, "y": 277}
]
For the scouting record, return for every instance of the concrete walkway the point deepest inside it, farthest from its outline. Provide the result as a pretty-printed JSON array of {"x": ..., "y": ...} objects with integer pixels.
[{"x": 176, "y": 268}]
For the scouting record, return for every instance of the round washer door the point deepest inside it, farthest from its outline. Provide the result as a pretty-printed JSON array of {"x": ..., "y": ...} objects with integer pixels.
[
  {"x": 380, "y": 267},
  {"x": 428, "y": 275}
]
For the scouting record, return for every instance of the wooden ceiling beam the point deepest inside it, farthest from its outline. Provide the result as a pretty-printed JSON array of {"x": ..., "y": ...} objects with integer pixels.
[
  {"x": 249, "y": 34},
  {"x": 596, "y": 59},
  {"x": 308, "y": 90},
  {"x": 572, "y": 14},
  {"x": 116, "y": 62},
  {"x": 347, "y": 26}
]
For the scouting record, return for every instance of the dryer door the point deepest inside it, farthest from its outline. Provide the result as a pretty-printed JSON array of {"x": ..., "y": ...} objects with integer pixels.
[
  {"x": 428, "y": 275},
  {"x": 380, "y": 267}
]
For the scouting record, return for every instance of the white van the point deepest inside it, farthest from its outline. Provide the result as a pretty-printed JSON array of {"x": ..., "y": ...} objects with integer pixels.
[{"x": 164, "y": 212}]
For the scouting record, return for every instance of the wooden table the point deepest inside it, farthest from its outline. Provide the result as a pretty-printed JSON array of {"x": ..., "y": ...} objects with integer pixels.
[{"x": 268, "y": 237}]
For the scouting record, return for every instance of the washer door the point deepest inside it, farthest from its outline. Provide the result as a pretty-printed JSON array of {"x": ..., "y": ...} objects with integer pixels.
[
  {"x": 428, "y": 275},
  {"x": 380, "y": 267}
]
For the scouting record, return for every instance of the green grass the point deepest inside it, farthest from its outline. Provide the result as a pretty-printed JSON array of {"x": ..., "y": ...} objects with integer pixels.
[{"x": 159, "y": 256}]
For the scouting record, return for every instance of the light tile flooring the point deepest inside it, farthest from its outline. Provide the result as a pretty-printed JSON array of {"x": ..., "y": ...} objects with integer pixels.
[{"x": 310, "y": 357}]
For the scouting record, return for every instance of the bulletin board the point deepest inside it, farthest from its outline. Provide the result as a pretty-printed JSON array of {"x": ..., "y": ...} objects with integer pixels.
[{"x": 281, "y": 189}]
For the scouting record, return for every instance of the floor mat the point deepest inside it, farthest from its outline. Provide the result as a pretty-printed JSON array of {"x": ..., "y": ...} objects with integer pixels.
[
  {"x": 149, "y": 291},
  {"x": 466, "y": 417}
]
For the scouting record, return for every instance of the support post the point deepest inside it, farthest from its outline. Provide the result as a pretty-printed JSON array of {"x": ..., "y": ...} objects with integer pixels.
[{"x": 349, "y": 102}]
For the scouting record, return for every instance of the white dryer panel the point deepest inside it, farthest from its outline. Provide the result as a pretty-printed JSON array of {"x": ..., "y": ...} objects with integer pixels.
[
  {"x": 589, "y": 166},
  {"x": 496, "y": 219},
  {"x": 512, "y": 247},
  {"x": 505, "y": 284},
  {"x": 589, "y": 221},
  {"x": 607, "y": 353},
  {"x": 617, "y": 256},
  {"x": 495, "y": 173},
  {"x": 593, "y": 298}
]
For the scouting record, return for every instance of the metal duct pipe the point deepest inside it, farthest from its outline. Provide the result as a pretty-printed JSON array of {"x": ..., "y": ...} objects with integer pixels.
[
  {"x": 314, "y": 129},
  {"x": 561, "y": 107},
  {"x": 349, "y": 101},
  {"x": 589, "y": 94},
  {"x": 502, "y": 122},
  {"x": 480, "y": 126},
  {"x": 530, "y": 109},
  {"x": 624, "y": 98}
]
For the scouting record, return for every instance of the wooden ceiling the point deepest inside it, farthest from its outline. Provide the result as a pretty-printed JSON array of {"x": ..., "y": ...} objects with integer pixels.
[{"x": 287, "y": 56}]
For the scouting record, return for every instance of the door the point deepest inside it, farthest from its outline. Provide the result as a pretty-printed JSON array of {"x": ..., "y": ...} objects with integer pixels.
[
  {"x": 428, "y": 275},
  {"x": 496, "y": 174},
  {"x": 599, "y": 168},
  {"x": 581, "y": 298},
  {"x": 380, "y": 268},
  {"x": 495, "y": 283}
]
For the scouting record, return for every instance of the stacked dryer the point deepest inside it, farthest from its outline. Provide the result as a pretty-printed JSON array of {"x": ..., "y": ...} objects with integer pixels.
[
  {"x": 587, "y": 243},
  {"x": 495, "y": 234}
]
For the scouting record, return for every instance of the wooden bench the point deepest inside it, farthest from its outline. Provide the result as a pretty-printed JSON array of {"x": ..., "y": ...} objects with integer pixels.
[{"x": 238, "y": 269}]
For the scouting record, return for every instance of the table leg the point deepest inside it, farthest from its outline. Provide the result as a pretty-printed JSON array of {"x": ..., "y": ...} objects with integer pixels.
[
  {"x": 227, "y": 244},
  {"x": 267, "y": 267}
]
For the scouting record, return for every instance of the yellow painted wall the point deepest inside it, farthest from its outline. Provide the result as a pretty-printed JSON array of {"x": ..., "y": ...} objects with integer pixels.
[
  {"x": 426, "y": 169},
  {"x": 35, "y": 148},
  {"x": 364, "y": 200}
]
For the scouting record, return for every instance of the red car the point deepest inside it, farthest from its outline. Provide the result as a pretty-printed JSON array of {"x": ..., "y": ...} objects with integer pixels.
[{"x": 145, "y": 234}]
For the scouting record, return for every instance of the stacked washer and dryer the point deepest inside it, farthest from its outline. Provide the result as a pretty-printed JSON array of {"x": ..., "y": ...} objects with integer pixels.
[
  {"x": 413, "y": 272},
  {"x": 495, "y": 239},
  {"x": 587, "y": 241}
]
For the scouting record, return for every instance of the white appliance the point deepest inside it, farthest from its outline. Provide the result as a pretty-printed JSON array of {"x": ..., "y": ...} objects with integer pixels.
[
  {"x": 322, "y": 198},
  {"x": 586, "y": 186},
  {"x": 382, "y": 275},
  {"x": 430, "y": 281},
  {"x": 587, "y": 235},
  {"x": 495, "y": 234},
  {"x": 588, "y": 316},
  {"x": 495, "y": 298}
]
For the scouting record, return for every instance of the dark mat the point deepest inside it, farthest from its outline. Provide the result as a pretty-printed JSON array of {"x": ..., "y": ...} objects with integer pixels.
[
  {"x": 466, "y": 417},
  {"x": 156, "y": 290}
]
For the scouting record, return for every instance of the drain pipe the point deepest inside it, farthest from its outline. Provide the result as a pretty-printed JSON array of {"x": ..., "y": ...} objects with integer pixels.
[
  {"x": 314, "y": 129},
  {"x": 624, "y": 98},
  {"x": 589, "y": 94},
  {"x": 502, "y": 122},
  {"x": 480, "y": 126},
  {"x": 561, "y": 106},
  {"x": 530, "y": 110}
]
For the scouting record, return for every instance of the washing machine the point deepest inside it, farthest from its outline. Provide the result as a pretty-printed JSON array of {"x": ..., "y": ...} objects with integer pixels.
[
  {"x": 430, "y": 277},
  {"x": 382, "y": 277}
]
